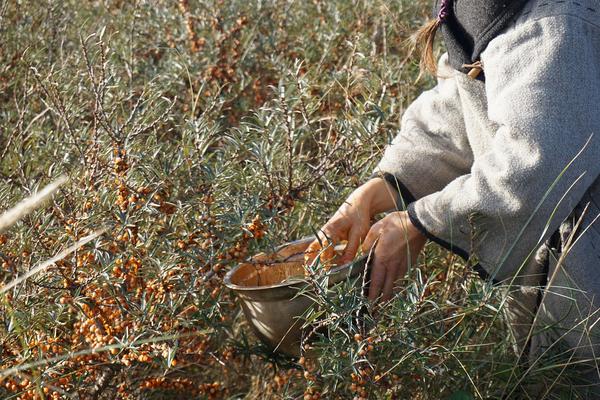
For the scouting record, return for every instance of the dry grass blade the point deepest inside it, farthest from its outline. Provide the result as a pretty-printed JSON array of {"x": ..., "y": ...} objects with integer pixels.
[
  {"x": 29, "y": 204},
  {"x": 47, "y": 263}
]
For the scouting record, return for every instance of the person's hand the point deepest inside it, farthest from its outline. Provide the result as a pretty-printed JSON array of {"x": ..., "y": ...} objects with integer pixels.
[
  {"x": 352, "y": 220},
  {"x": 397, "y": 245}
]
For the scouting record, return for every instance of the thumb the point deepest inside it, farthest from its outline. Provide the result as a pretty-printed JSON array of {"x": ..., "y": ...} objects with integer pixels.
[
  {"x": 371, "y": 238},
  {"x": 352, "y": 246}
]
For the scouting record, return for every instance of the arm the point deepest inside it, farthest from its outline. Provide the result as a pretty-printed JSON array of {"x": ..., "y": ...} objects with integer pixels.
[
  {"x": 542, "y": 84},
  {"x": 427, "y": 133},
  {"x": 431, "y": 148}
]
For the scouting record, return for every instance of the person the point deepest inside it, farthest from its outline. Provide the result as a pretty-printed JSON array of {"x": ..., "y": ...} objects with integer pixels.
[{"x": 499, "y": 163}]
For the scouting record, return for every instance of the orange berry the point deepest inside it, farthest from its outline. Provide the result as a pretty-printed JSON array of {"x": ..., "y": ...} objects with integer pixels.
[{"x": 326, "y": 253}]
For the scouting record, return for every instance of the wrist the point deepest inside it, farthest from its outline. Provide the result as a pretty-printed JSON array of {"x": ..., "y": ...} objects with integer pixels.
[
  {"x": 381, "y": 196},
  {"x": 413, "y": 233},
  {"x": 412, "y": 230},
  {"x": 375, "y": 196}
]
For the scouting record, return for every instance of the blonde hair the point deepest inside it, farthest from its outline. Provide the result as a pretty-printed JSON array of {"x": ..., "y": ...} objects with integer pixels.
[
  {"x": 425, "y": 37},
  {"x": 423, "y": 43}
]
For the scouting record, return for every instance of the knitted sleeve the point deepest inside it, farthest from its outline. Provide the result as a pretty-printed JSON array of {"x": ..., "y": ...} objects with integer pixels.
[
  {"x": 543, "y": 92},
  {"x": 431, "y": 148}
]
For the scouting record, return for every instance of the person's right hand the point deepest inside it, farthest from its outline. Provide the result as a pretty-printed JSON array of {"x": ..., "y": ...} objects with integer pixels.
[{"x": 352, "y": 221}]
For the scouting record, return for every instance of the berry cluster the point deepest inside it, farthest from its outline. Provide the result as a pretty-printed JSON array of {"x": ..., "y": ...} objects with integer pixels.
[{"x": 194, "y": 41}]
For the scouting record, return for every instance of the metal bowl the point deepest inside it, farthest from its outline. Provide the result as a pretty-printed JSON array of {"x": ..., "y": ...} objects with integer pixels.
[{"x": 269, "y": 286}]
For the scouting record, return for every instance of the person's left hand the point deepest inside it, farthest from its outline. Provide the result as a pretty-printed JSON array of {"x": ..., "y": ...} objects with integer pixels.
[{"x": 399, "y": 245}]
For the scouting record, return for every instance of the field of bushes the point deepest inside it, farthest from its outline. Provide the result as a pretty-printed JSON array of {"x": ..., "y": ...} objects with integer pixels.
[{"x": 194, "y": 134}]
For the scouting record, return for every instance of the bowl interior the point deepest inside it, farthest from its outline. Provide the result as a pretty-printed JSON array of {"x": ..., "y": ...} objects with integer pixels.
[
  {"x": 259, "y": 275},
  {"x": 283, "y": 267}
]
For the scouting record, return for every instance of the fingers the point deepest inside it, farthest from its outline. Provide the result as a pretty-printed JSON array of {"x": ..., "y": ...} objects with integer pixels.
[
  {"x": 387, "y": 263},
  {"x": 384, "y": 272},
  {"x": 352, "y": 246},
  {"x": 391, "y": 276},
  {"x": 393, "y": 241},
  {"x": 378, "y": 276},
  {"x": 371, "y": 237}
]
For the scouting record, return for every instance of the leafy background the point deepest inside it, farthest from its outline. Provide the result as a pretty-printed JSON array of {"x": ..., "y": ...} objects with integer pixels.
[{"x": 199, "y": 133}]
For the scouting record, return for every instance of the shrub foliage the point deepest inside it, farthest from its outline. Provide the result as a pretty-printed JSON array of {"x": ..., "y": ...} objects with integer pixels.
[{"x": 199, "y": 133}]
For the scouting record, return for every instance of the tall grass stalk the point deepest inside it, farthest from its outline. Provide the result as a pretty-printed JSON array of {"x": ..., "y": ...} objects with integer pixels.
[{"x": 31, "y": 203}]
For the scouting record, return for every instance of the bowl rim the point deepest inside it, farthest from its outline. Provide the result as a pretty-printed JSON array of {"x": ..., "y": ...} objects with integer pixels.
[{"x": 287, "y": 283}]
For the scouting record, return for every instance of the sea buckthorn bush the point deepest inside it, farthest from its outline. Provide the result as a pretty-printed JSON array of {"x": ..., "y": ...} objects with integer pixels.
[{"x": 197, "y": 134}]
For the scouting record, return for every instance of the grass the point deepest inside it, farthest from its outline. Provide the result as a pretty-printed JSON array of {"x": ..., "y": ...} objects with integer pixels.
[{"x": 201, "y": 133}]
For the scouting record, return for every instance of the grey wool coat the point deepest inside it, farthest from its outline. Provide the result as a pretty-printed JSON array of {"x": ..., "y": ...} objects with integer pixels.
[{"x": 507, "y": 169}]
